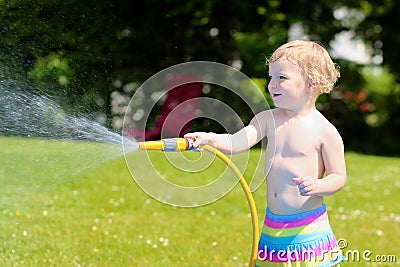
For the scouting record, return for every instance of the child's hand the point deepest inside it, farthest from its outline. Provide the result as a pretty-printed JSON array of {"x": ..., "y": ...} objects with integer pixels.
[
  {"x": 200, "y": 138},
  {"x": 307, "y": 185}
]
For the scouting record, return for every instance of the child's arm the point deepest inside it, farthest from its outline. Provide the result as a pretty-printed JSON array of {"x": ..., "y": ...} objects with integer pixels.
[
  {"x": 335, "y": 168},
  {"x": 234, "y": 143}
]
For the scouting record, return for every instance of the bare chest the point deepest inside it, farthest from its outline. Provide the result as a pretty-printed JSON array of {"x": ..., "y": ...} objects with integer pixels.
[{"x": 296, "y": 140}]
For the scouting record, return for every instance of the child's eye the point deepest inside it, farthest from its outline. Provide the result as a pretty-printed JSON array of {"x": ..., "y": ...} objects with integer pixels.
[{"x": 278, "y": 77}]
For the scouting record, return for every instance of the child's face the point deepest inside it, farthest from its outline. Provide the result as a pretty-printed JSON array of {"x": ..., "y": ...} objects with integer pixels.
[{"x": 287, "y": 86}]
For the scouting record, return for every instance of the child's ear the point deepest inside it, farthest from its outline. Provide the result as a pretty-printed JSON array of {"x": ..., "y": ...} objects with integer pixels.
[{"x": 312, "y": 86}]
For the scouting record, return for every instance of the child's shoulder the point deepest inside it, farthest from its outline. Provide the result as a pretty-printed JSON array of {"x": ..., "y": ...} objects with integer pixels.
[
  {"x": 266, "y": 114},
  {"x": 276, "y": 112},
  {"x": 323, "y": 121},
  {"x": 327, "y": 128}
]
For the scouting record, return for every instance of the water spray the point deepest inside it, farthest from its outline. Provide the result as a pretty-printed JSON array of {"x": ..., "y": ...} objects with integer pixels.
[{"x": 185, "y": 144}]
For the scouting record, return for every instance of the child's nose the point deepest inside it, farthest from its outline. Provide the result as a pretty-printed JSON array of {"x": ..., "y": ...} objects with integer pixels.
[{"x": 272, "y": 84}]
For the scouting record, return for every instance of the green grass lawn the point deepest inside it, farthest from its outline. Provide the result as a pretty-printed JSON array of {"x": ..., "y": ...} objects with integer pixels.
[{"x": 76, "y": 204}]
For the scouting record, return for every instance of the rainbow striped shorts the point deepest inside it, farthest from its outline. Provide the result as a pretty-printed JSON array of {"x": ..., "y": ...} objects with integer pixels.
[{"x": 304, "y": 239}]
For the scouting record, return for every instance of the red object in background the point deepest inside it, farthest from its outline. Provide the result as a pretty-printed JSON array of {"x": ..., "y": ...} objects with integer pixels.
[{"x": 178, "y": 111}]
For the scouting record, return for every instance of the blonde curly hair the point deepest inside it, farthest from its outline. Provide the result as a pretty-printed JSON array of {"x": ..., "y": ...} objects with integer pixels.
[{"x": 314, "y": 61}]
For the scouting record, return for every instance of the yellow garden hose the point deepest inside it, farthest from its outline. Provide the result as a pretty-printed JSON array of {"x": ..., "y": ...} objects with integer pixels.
[
  {"x": 249, "y": 196},
  {"x": 182, "y": 144}
]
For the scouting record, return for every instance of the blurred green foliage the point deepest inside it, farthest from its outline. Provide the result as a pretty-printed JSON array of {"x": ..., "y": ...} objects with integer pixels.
[{"x": 81, "y": 51}]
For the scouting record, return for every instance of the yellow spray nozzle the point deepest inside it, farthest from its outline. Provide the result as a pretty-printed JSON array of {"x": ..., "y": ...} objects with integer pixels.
[
  {"x": 151, "y": 145},
  {"x": 168, "y": 145}
]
